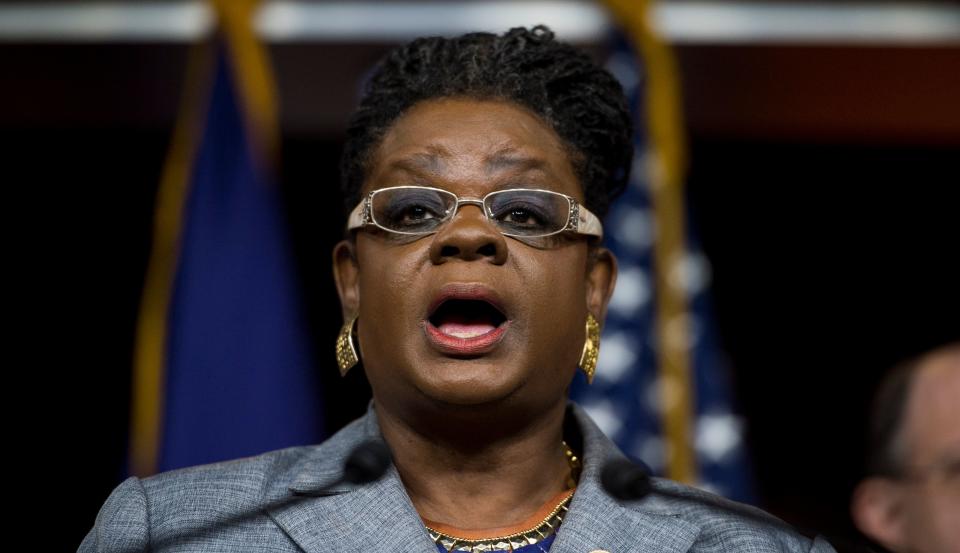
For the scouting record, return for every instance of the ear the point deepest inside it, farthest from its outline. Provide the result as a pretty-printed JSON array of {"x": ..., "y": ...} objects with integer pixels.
[
  {"x": 601, "y": 278},
  {"x": 877, "y": 509},
  {"x": 346, "y": 274}
]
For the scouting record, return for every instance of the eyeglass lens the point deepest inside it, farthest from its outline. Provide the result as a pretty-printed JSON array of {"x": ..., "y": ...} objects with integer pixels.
[{"x": 515, "y": 212}]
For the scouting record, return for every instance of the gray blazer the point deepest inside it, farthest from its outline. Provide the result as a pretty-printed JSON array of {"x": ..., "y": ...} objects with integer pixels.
[{"x": 150, "y": 513}]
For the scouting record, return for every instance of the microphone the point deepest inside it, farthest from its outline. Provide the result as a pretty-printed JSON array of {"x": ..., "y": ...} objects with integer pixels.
[
  {"x": 625, "y": 480},
  {"x": 366, "y": 463}
]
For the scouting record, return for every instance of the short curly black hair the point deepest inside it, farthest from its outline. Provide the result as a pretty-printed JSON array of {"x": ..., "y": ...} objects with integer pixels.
[{"x": 583, "y": 102}]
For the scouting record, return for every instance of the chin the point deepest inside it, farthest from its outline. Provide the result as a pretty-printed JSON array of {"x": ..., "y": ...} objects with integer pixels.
[{"x": 471, "y": 382}]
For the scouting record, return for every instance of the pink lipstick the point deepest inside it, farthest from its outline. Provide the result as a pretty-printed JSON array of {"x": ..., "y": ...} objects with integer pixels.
[
  {"x": 465, "y": 319},
  {"x": 445, "y": 341}
]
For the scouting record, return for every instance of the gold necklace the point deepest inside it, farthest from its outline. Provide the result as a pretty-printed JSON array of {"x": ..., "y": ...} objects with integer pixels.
[{"x": 510, "y": 542}]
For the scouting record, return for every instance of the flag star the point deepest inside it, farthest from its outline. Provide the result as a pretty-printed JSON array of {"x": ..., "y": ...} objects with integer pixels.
[
  {"x": 633, "y": 228},
  {"x": 717, "y": 435},
  {"x": 632, "y": 291},
  {"x": 617, "y": 356},
  {"x": 603, "y": 413}
]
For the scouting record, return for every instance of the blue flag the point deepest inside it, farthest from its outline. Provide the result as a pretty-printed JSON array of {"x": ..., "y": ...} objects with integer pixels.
[{"x": 235, "y": 375}]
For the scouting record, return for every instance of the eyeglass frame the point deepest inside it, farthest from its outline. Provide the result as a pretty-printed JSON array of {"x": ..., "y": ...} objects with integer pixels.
[{"x": 580, "y": 220}]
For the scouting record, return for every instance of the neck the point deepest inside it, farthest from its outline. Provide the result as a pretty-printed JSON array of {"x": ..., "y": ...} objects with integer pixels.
[{"x": 476, "y": 468}]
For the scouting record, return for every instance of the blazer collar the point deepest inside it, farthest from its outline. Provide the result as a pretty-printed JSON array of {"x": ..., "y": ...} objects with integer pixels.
[{"x": 380, "y": 515}]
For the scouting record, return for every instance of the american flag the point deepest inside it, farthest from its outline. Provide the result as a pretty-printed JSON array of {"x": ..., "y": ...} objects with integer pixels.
[{"x": 627, "y": 397}]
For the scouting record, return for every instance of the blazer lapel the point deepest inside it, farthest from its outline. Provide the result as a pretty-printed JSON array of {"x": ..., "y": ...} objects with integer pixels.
[
  {"x": 596, "y": 521},
  {"x": 373, "y": 517}
]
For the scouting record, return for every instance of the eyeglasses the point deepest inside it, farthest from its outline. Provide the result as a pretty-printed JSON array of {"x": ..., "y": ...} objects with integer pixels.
[{"x": 517, "y": 212}]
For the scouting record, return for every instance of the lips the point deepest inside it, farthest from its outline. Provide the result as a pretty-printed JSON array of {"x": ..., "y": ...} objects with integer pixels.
[{"x": 466, "y": 319}]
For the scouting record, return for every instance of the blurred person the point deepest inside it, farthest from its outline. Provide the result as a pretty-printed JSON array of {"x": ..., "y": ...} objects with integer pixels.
[
  {"x": 473, "y": 284},
  {"x": 910, "y": 502}
]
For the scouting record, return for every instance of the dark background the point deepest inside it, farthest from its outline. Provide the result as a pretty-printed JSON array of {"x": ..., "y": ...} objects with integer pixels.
[{"x": 821, "y": 184}]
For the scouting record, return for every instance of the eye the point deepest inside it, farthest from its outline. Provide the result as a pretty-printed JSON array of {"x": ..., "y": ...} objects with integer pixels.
[
  {"x": 527, "y": 212},
  {"x": 416, "y": 213},
  {"x": 412, "y": 213},
  {"x": 409, "y": 209},
  {"x": 521, "y": 215}
]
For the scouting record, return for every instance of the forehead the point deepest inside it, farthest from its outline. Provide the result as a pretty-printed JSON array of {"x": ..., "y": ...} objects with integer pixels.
[
  {"x": 472, "y": 147},
  {"x": 934, "y": 405}
]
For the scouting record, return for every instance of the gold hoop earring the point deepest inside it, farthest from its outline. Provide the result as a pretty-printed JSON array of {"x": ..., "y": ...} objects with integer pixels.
[
  {"x": 591, "y": 348},
  {"x": 346, "y": 354}
]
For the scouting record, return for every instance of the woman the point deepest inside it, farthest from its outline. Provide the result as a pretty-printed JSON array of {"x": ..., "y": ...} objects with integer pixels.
[{"x": 472, "y": 282}]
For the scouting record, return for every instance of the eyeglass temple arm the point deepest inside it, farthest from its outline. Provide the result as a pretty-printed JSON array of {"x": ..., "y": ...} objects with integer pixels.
[
  {"x": 588, "y": 223},
  {"x": 355, "y": 220}
]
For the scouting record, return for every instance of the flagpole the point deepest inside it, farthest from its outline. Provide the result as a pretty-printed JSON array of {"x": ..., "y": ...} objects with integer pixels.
[
  {"x": 664, "y": 114},
  {"x": 254, "y": 76},
  {"x": 149, "y": 355}
]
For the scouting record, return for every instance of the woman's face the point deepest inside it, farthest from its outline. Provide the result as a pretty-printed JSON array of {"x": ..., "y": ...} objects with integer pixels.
[{"x": 467, "y": 316}]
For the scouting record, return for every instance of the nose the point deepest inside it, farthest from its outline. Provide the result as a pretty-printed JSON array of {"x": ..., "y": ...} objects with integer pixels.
[{"x": 469, "y": 236}]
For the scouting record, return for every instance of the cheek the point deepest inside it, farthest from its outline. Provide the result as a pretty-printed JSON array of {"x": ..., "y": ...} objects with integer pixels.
[
  {"x": 944, "y": 511},
  {"x": 388, "y": 271},
  {"x": 932, "y": 519},
  {"x": 389, "y": 300},
  {"x": 558, "y": 305}
]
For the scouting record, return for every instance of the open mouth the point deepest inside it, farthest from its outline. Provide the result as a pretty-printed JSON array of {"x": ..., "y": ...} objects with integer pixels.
[
  {"x": 466, "y": 319},
  {"x": 465, "y": 326}
]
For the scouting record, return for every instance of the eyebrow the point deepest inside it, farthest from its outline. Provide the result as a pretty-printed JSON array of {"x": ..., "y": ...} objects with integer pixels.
[
  {"x": 501, "y": 161},
  {"x": 428, "y": 162}
]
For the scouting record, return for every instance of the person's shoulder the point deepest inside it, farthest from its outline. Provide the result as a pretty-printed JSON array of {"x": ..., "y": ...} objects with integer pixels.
[
  {"x": 233, "y": 483},
  {"x": 228, "y": 483},
  {"x": 141, "y": 510},
  {"x": 727, "y": 525}
]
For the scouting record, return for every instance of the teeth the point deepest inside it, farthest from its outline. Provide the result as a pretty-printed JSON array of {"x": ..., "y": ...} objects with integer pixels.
[
  {"x": 465, "y": 331},
  {"x": 467, "y": 334}
]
